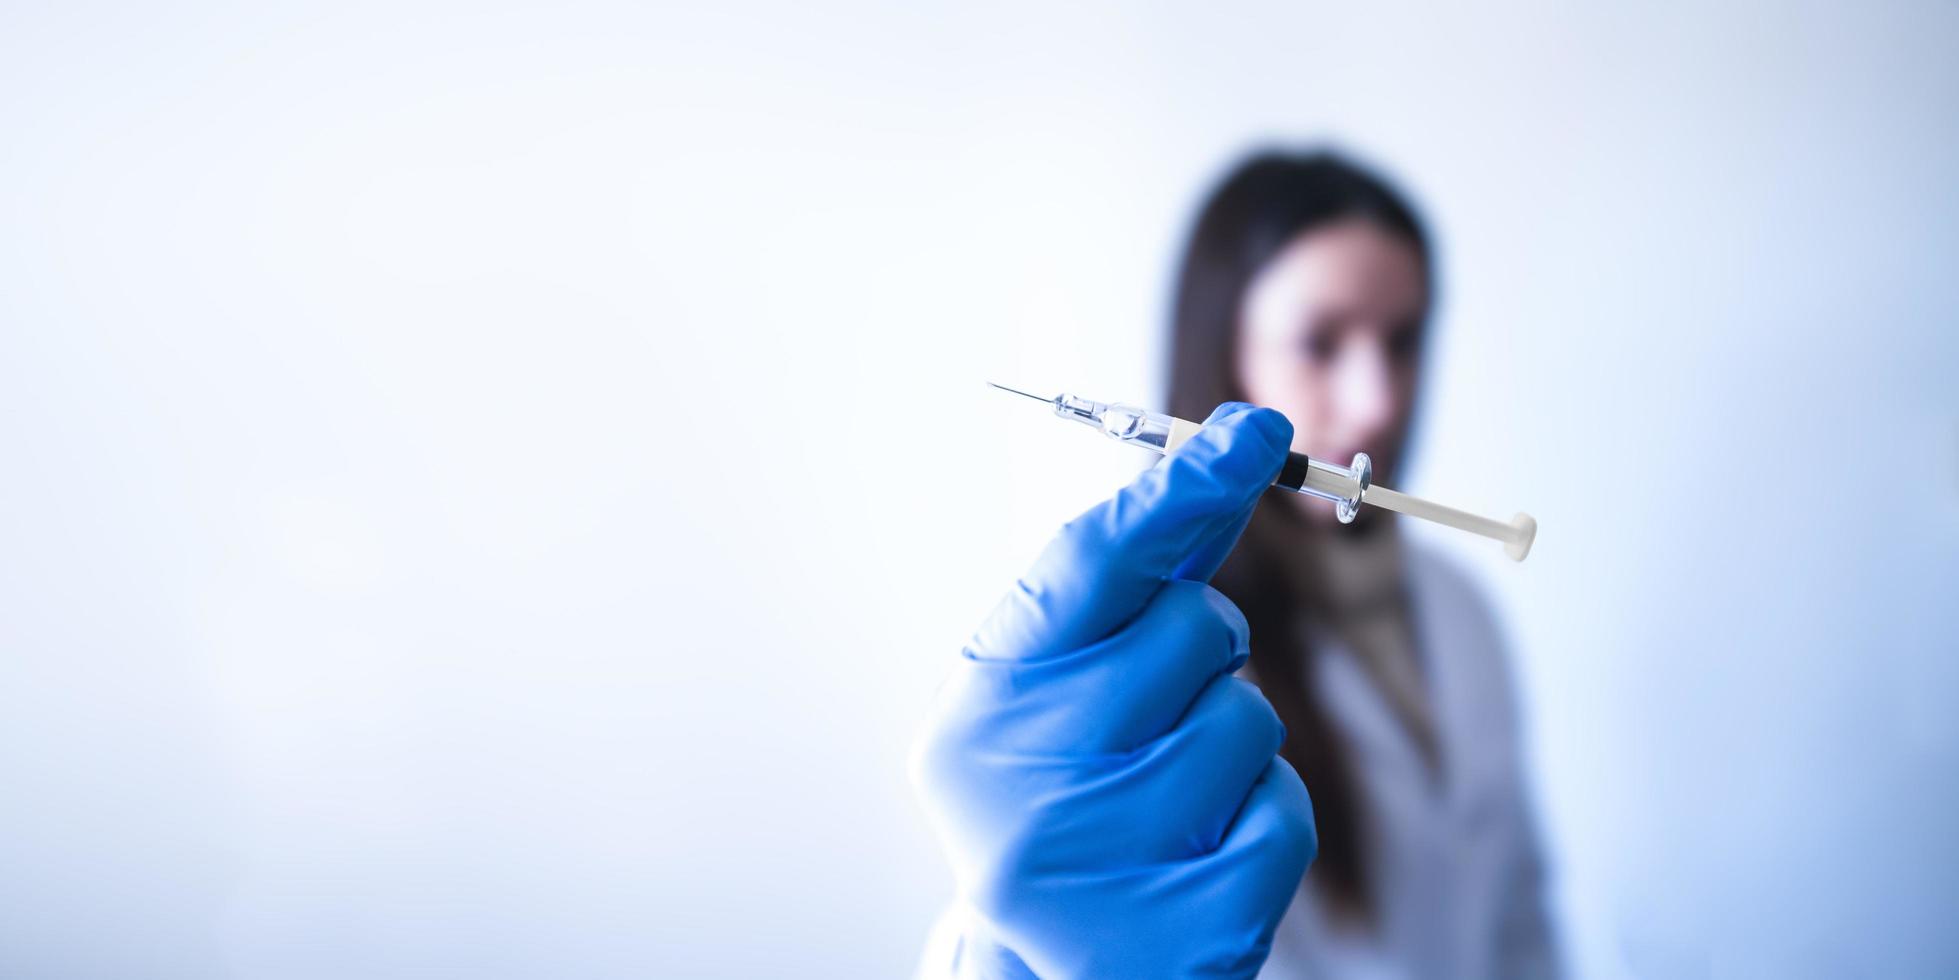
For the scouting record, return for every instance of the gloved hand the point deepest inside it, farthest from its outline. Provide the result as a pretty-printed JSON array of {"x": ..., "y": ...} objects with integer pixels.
[{"x": 1109, "y": 794}]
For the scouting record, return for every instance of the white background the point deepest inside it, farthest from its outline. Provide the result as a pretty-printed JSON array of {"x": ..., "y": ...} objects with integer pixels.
[{"x": 488, "y": 489}]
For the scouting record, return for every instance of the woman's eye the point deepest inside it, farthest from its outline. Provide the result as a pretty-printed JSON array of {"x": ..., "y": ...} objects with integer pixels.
[
  {"x": 1319, "y": 347},
  {"x": 1404, "y": 343}
]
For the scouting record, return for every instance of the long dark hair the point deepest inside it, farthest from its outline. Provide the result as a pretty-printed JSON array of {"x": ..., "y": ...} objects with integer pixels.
[{"x": 1262, "y": 205}]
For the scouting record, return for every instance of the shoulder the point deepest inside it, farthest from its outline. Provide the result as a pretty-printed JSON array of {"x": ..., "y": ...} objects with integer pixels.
[
  {"x": 1461, "y": 636},
  {"x": 1449, "y": 597}
]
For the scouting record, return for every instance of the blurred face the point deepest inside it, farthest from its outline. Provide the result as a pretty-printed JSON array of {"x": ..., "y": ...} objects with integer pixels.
[{"x": 1328, "y": 333}]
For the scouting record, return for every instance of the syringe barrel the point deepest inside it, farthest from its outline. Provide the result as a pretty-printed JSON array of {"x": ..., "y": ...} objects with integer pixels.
[
  {"x": 1346, "y": 487},
  {"x": 1150, "y": 430},
  {"x": 1304, "y": 474},
  {"x": 1343, "y": 485},
  {"x": 1162, "y": 433}
]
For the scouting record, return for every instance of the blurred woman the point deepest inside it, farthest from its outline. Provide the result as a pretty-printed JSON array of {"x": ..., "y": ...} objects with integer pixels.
[{"x": 1306, "y": 286}]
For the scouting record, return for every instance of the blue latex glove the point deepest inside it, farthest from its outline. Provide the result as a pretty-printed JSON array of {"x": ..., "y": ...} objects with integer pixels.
[{"x": 1109, "y": 794}]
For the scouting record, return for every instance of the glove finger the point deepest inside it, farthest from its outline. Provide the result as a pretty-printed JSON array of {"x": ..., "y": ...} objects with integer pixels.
[
  {"x": 1273, "y": 831},
  {"x": 1113, "y": 696},
  {"x": 1238, "y": 893},
  {"x": 1173, "y": 799},
  {"x": 1206, "y": 766},
  {"x": 1210, "y": 556},
  {"x": 1105, "y": 565}
]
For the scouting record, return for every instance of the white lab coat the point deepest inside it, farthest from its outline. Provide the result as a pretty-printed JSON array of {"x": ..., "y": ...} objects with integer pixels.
[{"x": 1455, "y": 866}]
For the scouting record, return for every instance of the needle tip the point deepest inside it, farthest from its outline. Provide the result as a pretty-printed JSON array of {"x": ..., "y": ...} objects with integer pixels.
[{"x": 1023, "y": 394}]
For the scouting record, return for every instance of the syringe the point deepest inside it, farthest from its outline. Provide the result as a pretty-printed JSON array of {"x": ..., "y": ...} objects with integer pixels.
[{"x": 1347, "y": 487}]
